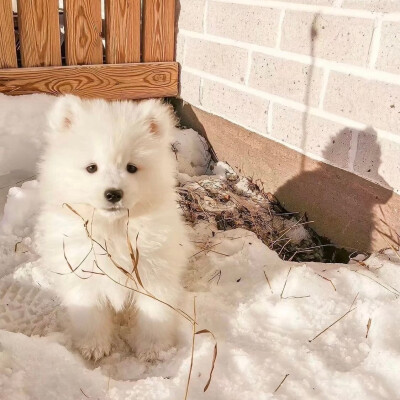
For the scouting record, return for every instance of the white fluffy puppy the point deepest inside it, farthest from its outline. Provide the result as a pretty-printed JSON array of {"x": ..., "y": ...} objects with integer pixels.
[{"x": 103, "y": 159}]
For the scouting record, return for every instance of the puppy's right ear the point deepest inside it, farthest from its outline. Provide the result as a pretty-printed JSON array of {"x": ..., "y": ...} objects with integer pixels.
[{"x": 64, "y": 113}]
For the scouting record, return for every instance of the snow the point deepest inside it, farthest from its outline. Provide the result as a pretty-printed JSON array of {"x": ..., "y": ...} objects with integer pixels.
[
  {"x": 263, "y": 332},
  {"x": 191, "y": 152}
]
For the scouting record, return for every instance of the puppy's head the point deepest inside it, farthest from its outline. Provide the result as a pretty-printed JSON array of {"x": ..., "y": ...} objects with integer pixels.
[{"x": 112, "y": 156}]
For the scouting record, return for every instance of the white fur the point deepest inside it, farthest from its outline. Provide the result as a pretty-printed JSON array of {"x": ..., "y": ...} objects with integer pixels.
[{"x": 112, "y": 135}]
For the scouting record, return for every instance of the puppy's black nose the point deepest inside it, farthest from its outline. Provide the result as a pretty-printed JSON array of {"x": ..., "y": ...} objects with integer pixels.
[{"x": 113, "y": 195}]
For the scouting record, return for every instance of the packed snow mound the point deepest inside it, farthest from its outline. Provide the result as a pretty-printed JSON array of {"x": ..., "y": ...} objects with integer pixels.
[
  {"x": 192, "y": 152},
  {"x": 265, "y": 313}
]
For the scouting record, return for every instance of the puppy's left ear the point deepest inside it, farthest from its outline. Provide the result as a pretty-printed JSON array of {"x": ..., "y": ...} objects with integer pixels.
[{"x": 161, "y": 118}]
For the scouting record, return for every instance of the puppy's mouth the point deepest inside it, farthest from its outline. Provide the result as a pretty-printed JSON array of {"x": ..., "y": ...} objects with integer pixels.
[{"x": 113, "y": 211}]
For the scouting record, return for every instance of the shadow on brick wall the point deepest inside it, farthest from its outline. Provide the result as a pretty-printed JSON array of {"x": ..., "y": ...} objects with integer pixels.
[{"x": 339, "y": 209}]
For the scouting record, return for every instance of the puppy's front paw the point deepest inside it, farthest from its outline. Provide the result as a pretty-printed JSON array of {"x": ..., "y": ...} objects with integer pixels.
[
  {"x": 149, "y": 355},
  {"x": 94, "y": 348}
]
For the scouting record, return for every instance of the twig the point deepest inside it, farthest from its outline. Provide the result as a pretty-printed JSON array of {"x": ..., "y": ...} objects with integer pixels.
[{"x": 283, "y": 380}]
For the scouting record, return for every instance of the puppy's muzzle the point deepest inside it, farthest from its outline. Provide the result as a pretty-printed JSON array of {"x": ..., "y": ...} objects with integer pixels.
[{"x": 113, "y": 195}]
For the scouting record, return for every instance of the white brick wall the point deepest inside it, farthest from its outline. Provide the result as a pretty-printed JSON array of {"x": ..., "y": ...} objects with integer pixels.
[{"x": 319, "y": 76}]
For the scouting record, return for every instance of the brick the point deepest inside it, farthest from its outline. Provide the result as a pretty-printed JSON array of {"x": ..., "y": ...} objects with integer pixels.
[
  {"x": 190, "y": 88},
  {"x": 389, "y": 53},
  {"x": 228, "y": 62},
  {"x": 338, "y": 38},
  {"x": 285, "y": 78},
  {"x": 191, "y": 15},
  {"x": 319, "y": 136},
  {"x": 373, "y": 5},
  {"x": 257, "y": 25},
  {"x": 371, "y": 102},
  {"x": 180, "y": 48},
  {"x": 234, "y": 105},
  {"x": 377, "y": 159}
]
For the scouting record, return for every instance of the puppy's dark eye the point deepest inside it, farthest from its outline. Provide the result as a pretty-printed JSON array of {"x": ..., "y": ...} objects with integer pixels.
[
  {"x": 131, "y": 168},
  {"x": 92, "y": 168}
]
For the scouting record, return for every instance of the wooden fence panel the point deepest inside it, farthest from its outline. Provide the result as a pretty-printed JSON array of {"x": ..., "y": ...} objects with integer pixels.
[
  {"x": 158, "y": 30},
  {"x": 83, "y": 32},
  {"x": 8, "y": 54},
  {"x": 122, "y": 31},
  {"x": 39, "y": 33},
  {"x": 108, "y": 81}
]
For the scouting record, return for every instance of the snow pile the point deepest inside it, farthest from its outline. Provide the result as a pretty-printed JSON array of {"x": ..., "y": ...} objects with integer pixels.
[
  {"x": 263, "y": 327},
  {"x": 192, "y": 152}
]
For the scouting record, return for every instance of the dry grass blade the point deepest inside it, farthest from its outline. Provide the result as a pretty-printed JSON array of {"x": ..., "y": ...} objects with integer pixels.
[
  {"x": 69, "y": 265},
  {"x": 192, "y": 352},
  {"x": 390, "y": 289},
  {"x": 290, "y": 228},
  {"x": 389, "y": 244},
  {"x": 84, "y": 393},
  {"x": 76, "y": 213},
  {"x": 287, "y": 276},
  {"x": 354, "y": 300},
  {"x": 368, "y": 326},
  {"x": 206, "y": 249},
  {"x": 327, "y": 279},
  {"x": 283, "y": 380},
  {"x": 269, "y": 284},
  {"x": 179, "y": 311},
  {"x": 134, "y": 255},
  {"x": 73, "y": 270},
  {"x": 283, "y": 247},
  {"x": 217, "y": 273},
  {"x": 344, "y": 315},
  {"x": 214, "y": 356}
]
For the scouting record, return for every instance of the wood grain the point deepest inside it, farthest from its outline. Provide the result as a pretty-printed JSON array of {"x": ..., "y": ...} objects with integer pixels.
[
  {"x": 8, "y": 54},
  {"x": 112, "y": 82},
  {"x": 158, "y": 39},
  {"x": 122, "y": 31},
  {"x": 83, "y": 32},
  {"x": 39, "y": 33}
]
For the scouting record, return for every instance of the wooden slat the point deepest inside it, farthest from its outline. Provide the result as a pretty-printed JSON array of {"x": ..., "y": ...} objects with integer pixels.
[
  {"x": 122, "y": 31},
  {"x": 158, "y": 38},
  {"x": 83, "y": 32},
  {"x": 39, "y": 32},
  {"x": 108, "y": 81},
  {"x": 8, "y": 55}
]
